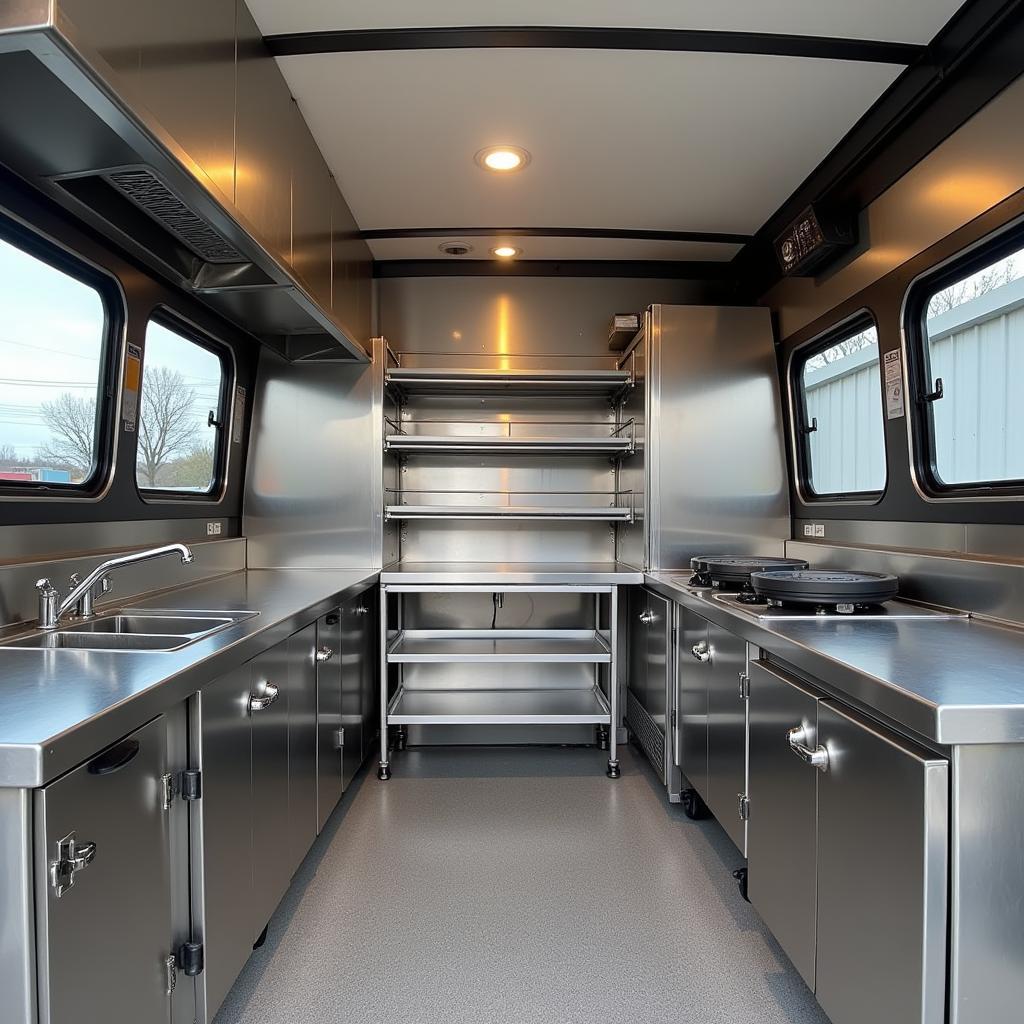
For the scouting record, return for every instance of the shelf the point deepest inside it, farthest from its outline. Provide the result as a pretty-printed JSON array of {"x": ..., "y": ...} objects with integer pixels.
[
  {"x": 536, "y": 512},
  {"x": 499, "y": 707},
  {"x": 464, "y": 445},
  {"x": 509, "y": 646},
  {"x": 507, "y": 574},
  {"x": 408, "y": 380}
]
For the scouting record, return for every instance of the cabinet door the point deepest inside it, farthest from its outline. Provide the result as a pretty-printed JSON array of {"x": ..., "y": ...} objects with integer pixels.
[
  {"x": 271, "y": 846},
  {"x": 352, "y": 626},
  {"x": 692, "y": 699},
  {"x": 369, "y": 673},
  {"x": 727, "y": 732},
  {"x": 223, "y": 860},
  {"x": 882, "y": 873},
  {"x": 637, "y": 614},
  {"x": 781, "y": 840},
  {"x": 104, "y": 939},
  {"x": 302, "y": 743},
  {"x": 328, "y": 718}
]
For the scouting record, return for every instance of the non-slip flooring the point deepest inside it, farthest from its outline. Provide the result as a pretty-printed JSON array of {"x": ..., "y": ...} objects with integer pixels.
[{"x": 517, "y": 886}]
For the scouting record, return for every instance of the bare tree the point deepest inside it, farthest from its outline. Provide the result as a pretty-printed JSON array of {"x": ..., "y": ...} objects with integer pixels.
[
  {"x": 71, "y": 421},
  {"x": 973, "y": 287},
  {"x": 167, "y": 425},
  {"x": 8, "y": 455}
]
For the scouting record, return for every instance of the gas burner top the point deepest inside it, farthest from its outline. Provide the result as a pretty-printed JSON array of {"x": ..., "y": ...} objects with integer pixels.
[
  {"x": 732, "y": 572},
  {"x": 843, "y": 591}
]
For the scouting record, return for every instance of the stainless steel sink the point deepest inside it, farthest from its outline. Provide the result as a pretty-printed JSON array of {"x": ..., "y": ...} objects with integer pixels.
[{"x": 133, "y": 630}]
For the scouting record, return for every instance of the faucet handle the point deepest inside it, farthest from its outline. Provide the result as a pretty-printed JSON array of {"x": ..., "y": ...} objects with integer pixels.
[
  {"x": 73, "y": 581},
  {"x": 45, "y": 587},
  {"x": 48, "y": 601}
]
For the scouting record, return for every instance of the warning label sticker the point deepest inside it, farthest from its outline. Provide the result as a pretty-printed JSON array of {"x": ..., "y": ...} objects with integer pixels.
[
  {"x": 895, "y": 406},
  {"x": 130, "y": 389}
]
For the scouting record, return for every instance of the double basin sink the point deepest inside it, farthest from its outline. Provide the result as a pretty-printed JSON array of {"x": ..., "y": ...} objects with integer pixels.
[{"x": 132, "y": 630}]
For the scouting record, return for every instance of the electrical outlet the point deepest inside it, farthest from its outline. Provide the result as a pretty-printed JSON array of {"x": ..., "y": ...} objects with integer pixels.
[
  {"x": 213, "y": 529},
  {"x": 819, "y": 529},
  {"x": 808, "y": 529}
]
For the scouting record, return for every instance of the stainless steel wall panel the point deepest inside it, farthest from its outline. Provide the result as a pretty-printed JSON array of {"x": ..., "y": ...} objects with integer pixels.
[
  {"x": 987, "y": 903},
  {"x": 313, "y": 492},
  {"x": 17, "y": 935},
  {"x": 716, "y": 461},
  {"x": 311, "y": 190},
  {"x": 473, "y": 541}
]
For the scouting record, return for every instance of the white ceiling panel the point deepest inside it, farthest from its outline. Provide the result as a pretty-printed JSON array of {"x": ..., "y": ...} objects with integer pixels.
[
  {"x": 623, "y": 139},
  {"x": 554, "y": 249},
  {"x": 906, "y": 21}
]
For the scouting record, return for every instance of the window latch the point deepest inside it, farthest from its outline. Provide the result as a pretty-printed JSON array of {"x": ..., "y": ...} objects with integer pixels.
[
  {"x": 934, "y": 396},
  {"x": 813, "y": 427},
  {"x": 212, "y": 421}
]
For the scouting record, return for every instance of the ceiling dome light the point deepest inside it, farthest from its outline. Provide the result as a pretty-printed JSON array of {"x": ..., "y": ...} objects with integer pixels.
[
  {"x": 503, "y": 159},
  {"x": 457, "y": 248},
  {"x": 506, "y": 252}
]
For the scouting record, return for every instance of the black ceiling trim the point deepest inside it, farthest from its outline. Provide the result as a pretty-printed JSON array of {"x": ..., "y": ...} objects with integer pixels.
[
  {"x": 642, "y": 234},
  {"x": 593, "y": 38},
  {"x": 668, "y": 269},
  {"x": 976, "y": 55}
]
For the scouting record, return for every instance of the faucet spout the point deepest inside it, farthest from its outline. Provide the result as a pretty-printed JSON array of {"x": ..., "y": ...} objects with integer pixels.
[{"x": 50, "y": 611}]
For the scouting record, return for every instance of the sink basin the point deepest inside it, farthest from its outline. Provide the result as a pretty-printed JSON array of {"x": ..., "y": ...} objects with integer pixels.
[
  {"x": 138, "y": 623},
  {"x": 133, "y": 630},
  {"x": 70, "y": 640}
]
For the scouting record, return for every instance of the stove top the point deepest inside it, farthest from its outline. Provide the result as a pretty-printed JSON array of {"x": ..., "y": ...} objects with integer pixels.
[{"x": 890, "y": 610}]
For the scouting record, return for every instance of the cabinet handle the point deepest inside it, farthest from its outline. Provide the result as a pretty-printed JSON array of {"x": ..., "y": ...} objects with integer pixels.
[
  {"x": 816, "y": 757},
  {"x": 647, "y": 618},
  {"x": 270, "y": 693},
  {"x": 701, "y": 651},
  {"x": 324, "y": 654},
  {"x": 363, "y": 610}
]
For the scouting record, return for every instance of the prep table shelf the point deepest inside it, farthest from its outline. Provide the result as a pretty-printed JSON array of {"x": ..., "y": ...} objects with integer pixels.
[
  {"x": 499, "y": 707},
  {"x": 510, "y": 646},
  {"x": 483, "y": 445},
  {"x": 542, "y": 512},
  {"x": 553, "y": 383}
]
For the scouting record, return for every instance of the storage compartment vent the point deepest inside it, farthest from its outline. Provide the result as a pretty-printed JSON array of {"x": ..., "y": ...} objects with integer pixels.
[
  {"x": 150, "y": 194},
  {"x": 646, "y": 732}
]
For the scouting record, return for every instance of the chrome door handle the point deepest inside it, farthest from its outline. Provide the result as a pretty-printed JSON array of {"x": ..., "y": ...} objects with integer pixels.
[
  {"x": 701, "y": 651},
  {"x": 324, "y": 654},
  {"x": 647, "y": 618},
  {"x": 270, "y": 694},
  {"x": 816, "y": 757},
  {"x": 362, "y": 610},
  {"x": 72, "y": 856}
]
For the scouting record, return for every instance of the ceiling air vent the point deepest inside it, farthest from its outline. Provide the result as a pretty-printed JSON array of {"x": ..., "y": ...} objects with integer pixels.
[
  {"x": 150, "y": 194},
  {"x": 456, "y": 248}
]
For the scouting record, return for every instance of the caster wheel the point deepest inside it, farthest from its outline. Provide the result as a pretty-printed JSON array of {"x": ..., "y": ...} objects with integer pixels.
[
  {"x": 740, "y": 874},
  {"x": 614, "y": 771},
  {"x": 384, "y": 772},
  {"x": 693, "y": 807},
  {"x": 263, "y": 937}
]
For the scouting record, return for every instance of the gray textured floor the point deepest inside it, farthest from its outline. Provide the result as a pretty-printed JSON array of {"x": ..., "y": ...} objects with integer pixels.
[{"x": 519, "y": 886}]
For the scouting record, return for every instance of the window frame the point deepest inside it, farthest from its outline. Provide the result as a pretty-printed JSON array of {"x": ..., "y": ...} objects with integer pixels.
[
  {"x": 920, "y": 421},
  {"x": 857, "y": 322},
  {"x": 174, "y": 321},
  {"x": 108, "y": 384}
]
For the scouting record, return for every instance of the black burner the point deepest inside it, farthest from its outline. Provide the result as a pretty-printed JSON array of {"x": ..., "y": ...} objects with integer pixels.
[
  {"x": 732, "y": 572},
  {"x": 843, "y": 592}
]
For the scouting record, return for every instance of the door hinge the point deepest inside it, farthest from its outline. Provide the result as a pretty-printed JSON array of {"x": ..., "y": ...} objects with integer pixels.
[
  {"x": 167, "y": 791},
  {"x": 190, "y": 958},
  {"x": 191, "y": 784},
  {"x": 744, "y": 686},
  {"x": 171, "y": 973},
  {"x": 744, "y": 806},
  {"x": 673, "y": 718}
]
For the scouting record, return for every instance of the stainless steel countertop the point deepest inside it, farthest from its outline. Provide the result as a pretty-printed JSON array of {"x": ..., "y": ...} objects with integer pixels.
[
  {"x": 512, "y": 573},
  {"x": 951, "y": 681},
  {"x": 58, "y": 707}
]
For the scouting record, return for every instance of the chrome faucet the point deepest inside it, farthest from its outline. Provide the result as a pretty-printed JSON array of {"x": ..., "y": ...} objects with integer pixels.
[{"x": 83, "y": 592}]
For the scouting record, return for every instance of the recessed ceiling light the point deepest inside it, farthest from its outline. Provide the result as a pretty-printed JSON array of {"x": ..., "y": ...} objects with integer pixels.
[
  {"x": 506, "y": 252},
  {"x": 456, "y": 248},
  {"x": 503, "y": 159}
]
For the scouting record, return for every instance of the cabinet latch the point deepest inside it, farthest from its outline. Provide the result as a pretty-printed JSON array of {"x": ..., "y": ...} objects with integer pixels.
[
  {"x": 744, "y": 686},
  {"x": 744, "y": 806},
  {"x": 72, "y": 856},
  {"x": 190, "y": 958}
]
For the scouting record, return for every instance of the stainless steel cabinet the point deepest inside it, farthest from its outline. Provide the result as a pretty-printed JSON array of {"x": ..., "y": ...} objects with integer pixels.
[
  {"x": 222, "y": 837},
  {"x": 103, "y": 887},
  {"x": 782, "y": 831},
  {"x": 271, "y": 844},
  {"x": 369, "y": 705},
  {"x": 848, "y": 854},
  {"x": 727, "y": 732},
  {"x": 302, "y": 743},
  {"x": 648, "y": 697},
  {"x": 329, "y": 779},
  {"x": 355, "y": 663},
  {"x": 692, "y": 657},
  {"x": 882, "y": 875}
]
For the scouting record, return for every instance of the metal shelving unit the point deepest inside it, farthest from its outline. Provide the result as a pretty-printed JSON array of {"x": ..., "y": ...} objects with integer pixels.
[
  {"x": 509, "y": 646},
  {"x": 534, "y": 383},
  {"x": 500, "y": 707}
]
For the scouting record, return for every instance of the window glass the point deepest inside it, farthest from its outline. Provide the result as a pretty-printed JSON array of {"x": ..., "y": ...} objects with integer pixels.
[
  {"x": 182, "y": 392},
  {"x": 974, "y": 341},
  {"x": 842, "y": 429},
  {"x": 51, "y": 372}
]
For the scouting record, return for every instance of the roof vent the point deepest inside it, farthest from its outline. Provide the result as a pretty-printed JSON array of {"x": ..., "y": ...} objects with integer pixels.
[
  {"x": 455, "y": 248},
  {"x": 150, "y": 194}
]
